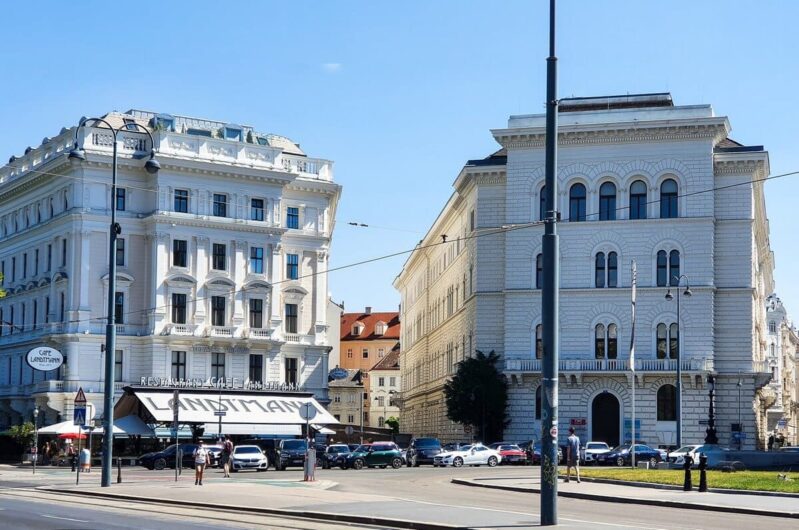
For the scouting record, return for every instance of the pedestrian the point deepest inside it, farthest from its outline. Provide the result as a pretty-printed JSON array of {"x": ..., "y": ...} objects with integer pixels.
[
  {"x": 572, "y": 455},
  {"x": 201, "y": 459},
  {"x": 227, "y": 452},
  {"x": 771, "y": 441},
  {"x": 46, "y": 454}
]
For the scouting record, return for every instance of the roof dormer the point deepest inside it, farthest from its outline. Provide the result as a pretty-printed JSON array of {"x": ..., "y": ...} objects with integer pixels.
[
  {"x": 381, "y": 328},
  {"x": 357, "y": 328}
]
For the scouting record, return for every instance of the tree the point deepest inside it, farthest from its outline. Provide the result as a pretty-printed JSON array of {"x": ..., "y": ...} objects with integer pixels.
[
  {"x": 2, "y": 291},
  {"x": 477, "y": 395},
  {"x": 393, "y": 422},
  {"x": 23, "y": 435}
]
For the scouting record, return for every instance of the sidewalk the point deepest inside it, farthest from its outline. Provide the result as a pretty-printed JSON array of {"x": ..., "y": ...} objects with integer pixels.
[{"x": 762, "y": 505}]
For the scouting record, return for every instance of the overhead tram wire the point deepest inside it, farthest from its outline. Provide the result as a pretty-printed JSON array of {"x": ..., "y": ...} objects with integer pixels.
[{"x": 483, "y": 233}]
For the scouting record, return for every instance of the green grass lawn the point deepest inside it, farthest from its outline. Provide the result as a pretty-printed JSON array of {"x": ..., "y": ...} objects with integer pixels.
[{"x": 740, "y": 480}]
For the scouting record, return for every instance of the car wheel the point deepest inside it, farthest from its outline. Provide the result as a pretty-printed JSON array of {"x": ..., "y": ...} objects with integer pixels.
[
  {"x": 653, "y": 462},
  {"x": 358, "y": 464},
  {"x": 396, "y": 463},
  {"x": 492, "y": 461},
  {"x": 159, "y": 464},
  {"x": 620, "y": 461},
  {"x": 457, "y": 462}
]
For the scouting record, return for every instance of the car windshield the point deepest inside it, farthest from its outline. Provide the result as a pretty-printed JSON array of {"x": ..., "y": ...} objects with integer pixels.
[
  {"x": 427, "y": 442},
  {"x": 362, "y": 449},
  {"x": 246, "y": 450},
  {"x": 596, "y": 446},
  {"x": 685, "y": 449},
  {"x": 511, "y": 448},
  {"x": 620, "y": 448},
  {"x": 338, "y": 449},
  {"x": 295, "y": 445}
]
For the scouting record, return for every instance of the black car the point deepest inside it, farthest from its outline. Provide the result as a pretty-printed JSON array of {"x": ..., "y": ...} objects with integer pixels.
[
  {"x": 290, "y": 453},
  {"x": 621, "y": 455},
  {"x": 166, "y": 458},
  {"x": 334, "y": 456},
  {"x": 423, "y": 451},
  {"x": 456, "y": 446}
]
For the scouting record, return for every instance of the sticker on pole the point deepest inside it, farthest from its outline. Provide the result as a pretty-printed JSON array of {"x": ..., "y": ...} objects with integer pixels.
[{"x": 553, "y": 432}]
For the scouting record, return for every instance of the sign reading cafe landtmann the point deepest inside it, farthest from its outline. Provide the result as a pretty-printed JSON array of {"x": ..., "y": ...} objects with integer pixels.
[{"x": 231, "y": 383}]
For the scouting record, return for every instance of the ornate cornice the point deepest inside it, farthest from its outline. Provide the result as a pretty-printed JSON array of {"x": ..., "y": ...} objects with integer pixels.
[
  {"x": 749, "y": 166},
  {"x": 209, "y": 222}
]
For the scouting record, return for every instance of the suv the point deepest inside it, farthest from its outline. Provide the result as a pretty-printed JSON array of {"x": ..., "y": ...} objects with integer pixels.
[
  {"x": 290, "y": 453},
  {"x": 423, "y": 451},
  {"x": 592, "y": 450}
]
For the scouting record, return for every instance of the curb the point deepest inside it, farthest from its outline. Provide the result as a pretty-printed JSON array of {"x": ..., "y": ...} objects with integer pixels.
[
  {"x": 301, "y": 514},
  {"x": 625, "y": 500},
  {"x": 761, "y": 493}
]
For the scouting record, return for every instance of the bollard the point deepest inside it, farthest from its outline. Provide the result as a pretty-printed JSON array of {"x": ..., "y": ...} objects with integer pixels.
[
  {"x": 702, "y": 472},
  {"x": 119, "y": 470},
  {"x": 73, "y": 461},
  {"x": 687, "y": 485}
]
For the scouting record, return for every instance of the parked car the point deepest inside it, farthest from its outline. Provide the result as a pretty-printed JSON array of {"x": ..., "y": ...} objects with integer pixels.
[
  {"x": 378, "y": 454},
  {"x": 470, "y": 455},
  {"x": 248, "y": 457},
  {"x": 423, "y": 451},
  {"x": 290, "y": 453},
  {"x": 536, "y": 454},
  {"x": 678, "y": 457},
  {"x": 591, "y": 450},
  {"x": 166, "y": 458},
  {"x": 268, "y": 446},
  {"x": 454, "y": 446},
  {"x": 621, "y": 455},
  {"x": 510, "y": 453},
  {"x": 529, "y": 449},
  {"x": 334, "y": 455}
]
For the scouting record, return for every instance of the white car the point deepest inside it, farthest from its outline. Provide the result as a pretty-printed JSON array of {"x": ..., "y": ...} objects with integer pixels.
[
  {"x": 248, "y": 457},
  {"x": 469, "y": 455},
  {"x": 678, "y": 456},
  {"x": 592, "y": 449}
]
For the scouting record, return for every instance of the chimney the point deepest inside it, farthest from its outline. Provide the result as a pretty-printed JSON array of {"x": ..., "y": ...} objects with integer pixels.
[{"x": 368, "y": 310}]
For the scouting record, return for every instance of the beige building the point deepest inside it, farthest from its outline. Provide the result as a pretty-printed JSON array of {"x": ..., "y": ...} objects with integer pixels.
[
  {"x": 385, "y": 385},
  {"x": 346, "y": 397}
]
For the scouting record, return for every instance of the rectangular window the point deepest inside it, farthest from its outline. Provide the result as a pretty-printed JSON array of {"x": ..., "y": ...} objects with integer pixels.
[
  {"x": 381, "y": 352},
  {"x": 178, "y": 308},
  {"x": 36, "y": 314},
  {"x": 118, "y": 365},
  {"x": 22, "y": 314},
  {"x": 219, "y": 254},
  {"x": 256, "y": 313},
  {"x": 46, "y": 310},
  {"x": 62, "y": 313},
  {"x": 36, "y": 262},
  {"x": 365, "y": 353},
  {"x": 257, "y": 209},
  {"x": 471, "y": 221},
  {"x": 24, "y": 265},
  {"x": 49, "y": 257},
  {"x": 256, "y": 368},
  {"x": 218, "y": 365},
  {"x": 291, "y": 318},
  {"x": 182, "y": 201},
  {"x": 220, "y": 205},
  {"x": 11, "y": 321},
  {"x": 14, "y": 269},
  {"x": 217, "y": 310},
  {"x": 292, "y": 217},
  {"x": 120, "y": 199},
  {"x": 350, "y": 418},
  {"x": 292, "y": 266},
  {"x": 120, "y": 252},
  {"x": 119, "y": 307},
  {"x": 291, "y": 371},
  {"x": 349, "y": 353},
  {"x": 2, "y": 322},
  {"x": 392, "y": 381},
  {"x": 381, "y": 381},
  {"x": 180, "y": 256},
  {"x": 178, "y": 365},
  {"x": 381, "y": 401},
  {"x": 257, "y": 260},
  {"x": 64, "y": 252}
]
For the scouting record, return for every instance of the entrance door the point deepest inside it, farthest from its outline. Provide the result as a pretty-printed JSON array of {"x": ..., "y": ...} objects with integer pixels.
[{"x": 605, "y": 419}]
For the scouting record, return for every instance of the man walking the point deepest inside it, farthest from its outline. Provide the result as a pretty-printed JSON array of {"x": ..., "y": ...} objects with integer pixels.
[
  {"x": 572, "y": 455},
  {"x": 201, "y": 459},
  {"x": 227, "y": 451}
]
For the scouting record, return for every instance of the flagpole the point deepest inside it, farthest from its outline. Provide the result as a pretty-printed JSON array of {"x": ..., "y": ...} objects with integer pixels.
[{"x": 632, "y": 359}]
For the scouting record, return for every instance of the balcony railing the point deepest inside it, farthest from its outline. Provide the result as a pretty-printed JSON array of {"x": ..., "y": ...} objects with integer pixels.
[
  {"x": 612, "y": 365},
  {"x": 761, "y": 367},
  {"x": 297, "y": 338},
  {"x": 258, "y": 333},
  {"x": 221, "y": 331},
  {"x": 315, "y": 167},
  {"x": 180, "y": 329}
]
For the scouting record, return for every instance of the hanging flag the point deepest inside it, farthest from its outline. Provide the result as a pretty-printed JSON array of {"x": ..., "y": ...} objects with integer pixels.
[{"x": 632, "y": 327}]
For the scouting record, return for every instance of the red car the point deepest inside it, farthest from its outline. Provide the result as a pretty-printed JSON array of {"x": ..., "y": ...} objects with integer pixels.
[{"x": 511, "y": 453}]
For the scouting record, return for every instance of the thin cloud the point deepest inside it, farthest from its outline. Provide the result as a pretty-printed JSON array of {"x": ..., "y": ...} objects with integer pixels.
[{"x": 332, "y": 68}]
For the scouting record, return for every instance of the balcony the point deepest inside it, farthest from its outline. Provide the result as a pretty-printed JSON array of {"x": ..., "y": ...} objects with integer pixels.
[
  {"x": 308, "y": 167},
  {"x": 296, "y": 338},
  {"x": 690, "y": 364},
  {"x": 226, "y": 332},
  {"x": 258, "y": 333},
  {"x": 185, "y": 330}
]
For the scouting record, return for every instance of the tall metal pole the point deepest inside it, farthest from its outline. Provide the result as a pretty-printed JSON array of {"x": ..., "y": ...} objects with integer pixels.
[
  {"x": 679, "y": 371},
  {"x": 110, "y": 330},
  {"x": 549, "y": 298}
]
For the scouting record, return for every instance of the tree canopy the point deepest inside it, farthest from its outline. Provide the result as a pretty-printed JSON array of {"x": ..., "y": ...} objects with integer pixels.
[{"x": 477, "y": 395}]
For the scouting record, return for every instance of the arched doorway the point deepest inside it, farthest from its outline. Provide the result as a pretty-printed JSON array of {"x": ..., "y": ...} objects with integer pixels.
[{"x": 605, "y": 419}]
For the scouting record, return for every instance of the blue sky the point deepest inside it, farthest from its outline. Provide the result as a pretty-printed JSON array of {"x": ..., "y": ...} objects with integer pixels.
[{"x": 401, "y": 94}]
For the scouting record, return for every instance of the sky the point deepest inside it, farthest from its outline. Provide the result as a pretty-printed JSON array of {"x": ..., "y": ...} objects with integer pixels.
[{"x": 401, "y": 94}]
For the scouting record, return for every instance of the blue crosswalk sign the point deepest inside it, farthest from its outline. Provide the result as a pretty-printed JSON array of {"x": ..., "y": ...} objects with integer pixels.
[{"x": 79, "y": 416}]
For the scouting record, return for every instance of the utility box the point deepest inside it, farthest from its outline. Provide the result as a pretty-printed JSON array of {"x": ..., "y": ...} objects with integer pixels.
[{"x": 643, "y": 465}]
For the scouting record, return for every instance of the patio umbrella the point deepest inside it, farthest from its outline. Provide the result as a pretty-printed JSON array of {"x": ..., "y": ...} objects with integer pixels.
[{"x": 72, "y": 436}]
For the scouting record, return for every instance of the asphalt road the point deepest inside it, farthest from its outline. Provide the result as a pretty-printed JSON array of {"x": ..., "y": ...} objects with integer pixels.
[{"x": 421, "y": 493}]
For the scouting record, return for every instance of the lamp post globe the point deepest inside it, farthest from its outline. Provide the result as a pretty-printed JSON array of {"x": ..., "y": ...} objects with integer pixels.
[{"x": 152, "y": 166}]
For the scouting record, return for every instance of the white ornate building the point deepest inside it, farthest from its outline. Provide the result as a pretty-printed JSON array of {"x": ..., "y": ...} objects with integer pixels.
[
  {"x": 635, "y": 179},
  {"x": 220, "y": 265},
  {"x": 782, "y": 346}
]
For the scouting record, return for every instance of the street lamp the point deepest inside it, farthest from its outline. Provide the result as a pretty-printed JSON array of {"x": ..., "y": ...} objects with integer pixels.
[
  {"x": 77, "y": 155},
  {"x": 710, "y": 433},
  {"x": 35, "y": 436},
  {"x": 670, "y": 297}
]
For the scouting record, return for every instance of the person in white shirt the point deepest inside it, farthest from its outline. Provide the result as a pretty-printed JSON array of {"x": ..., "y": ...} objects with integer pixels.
[{"x": 201, "y": 459}]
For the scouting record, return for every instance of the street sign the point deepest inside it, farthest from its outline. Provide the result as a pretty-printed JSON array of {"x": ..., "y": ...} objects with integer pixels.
[
  {"x": 338, "y": 373},
  {"x": 79, "y": 416},
  {"x": 44, "y": 359},
  {"x": 80, "y": 397},
  {"x": 349, "y": 430},
  {"x": 220, "y": 413},
  {"x": 307, "y": 411},
  {"x": 782, "y": 423}
]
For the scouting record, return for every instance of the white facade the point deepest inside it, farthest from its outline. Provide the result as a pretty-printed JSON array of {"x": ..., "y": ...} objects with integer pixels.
[
  {"x": 782, "y": 347},
  {"x": 221, "y": 249},
  {"x": 613, "y": 151}
]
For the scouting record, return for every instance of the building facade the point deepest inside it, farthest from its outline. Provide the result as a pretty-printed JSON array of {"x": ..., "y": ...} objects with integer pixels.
[
  {"x": 782, "y": 348},
  {"x": 220, "y": 265},
  {"x": 385, "y": 387},
  {"x": 642, "y": 180}
]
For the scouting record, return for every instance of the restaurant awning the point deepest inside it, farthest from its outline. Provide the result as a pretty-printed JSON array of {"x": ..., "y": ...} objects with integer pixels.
[
  {"x": 253, "y": 430},
  {"x": 129, "y": 425},
  {"x": 236, "y": 407}
]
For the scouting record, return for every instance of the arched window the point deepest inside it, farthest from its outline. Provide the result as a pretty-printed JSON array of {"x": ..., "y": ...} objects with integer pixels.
[
  {"x": 613, "y": 341},
  {"x": 577, "y": 202},
  {"x": 674, "y": 267},
  {"x": 638, "y": 200},
  {"x": 613, "y": 269},
  {"x": 667, "y": 403},
  {"x": 538, "y": 402},
  {"x": 539, "y": 341},
  {"x": 668, "y": 199},
  {"x": 607, "y": 202},
  {"x": 662, "y": 337},
  {"x": 662, "y": 268},
  {"x": 599, "y": 270},
  {"x": 599, "y": 341},
  {"x": 539, "y": 271},
  {"x": 674, "y": 341},
  {"x": 542, "y": 204}
]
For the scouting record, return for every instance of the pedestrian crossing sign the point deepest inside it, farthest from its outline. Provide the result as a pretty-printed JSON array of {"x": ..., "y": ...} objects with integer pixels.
[{"x": 79, "y": 416}]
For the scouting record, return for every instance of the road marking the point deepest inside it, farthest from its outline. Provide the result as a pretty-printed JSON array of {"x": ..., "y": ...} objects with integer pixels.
[
  {"x": 65, "y": 518},
  {"x": 462, "y": 507},
  {"x": 618, "y": 525}
]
